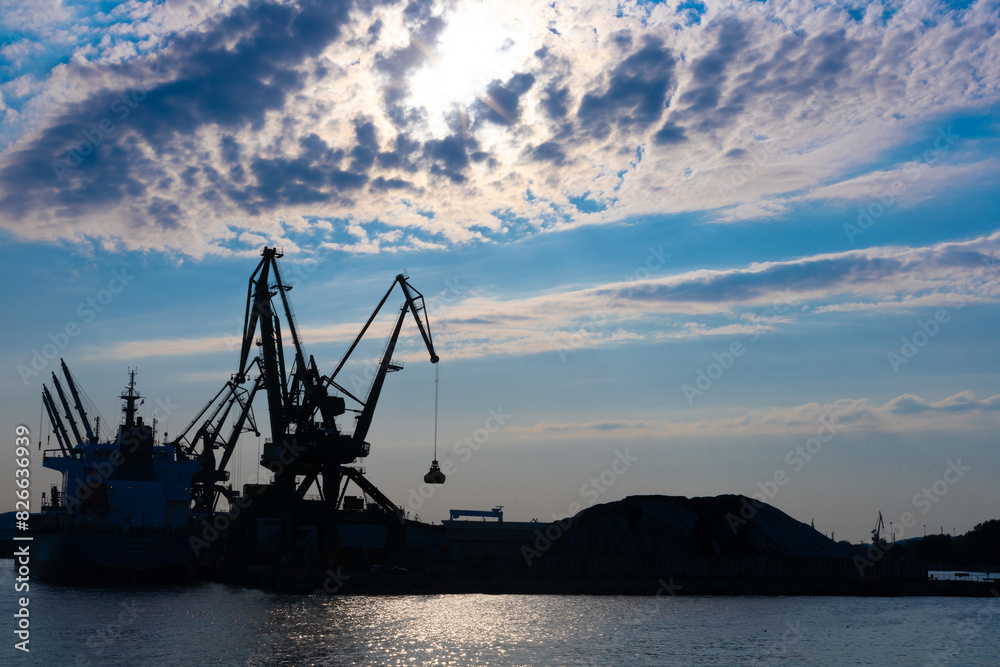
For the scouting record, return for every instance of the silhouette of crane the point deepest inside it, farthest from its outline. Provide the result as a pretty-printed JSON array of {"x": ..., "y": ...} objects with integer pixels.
[
  {"x": 877, "y": 531},
  {"x": 307, "y": 447}
]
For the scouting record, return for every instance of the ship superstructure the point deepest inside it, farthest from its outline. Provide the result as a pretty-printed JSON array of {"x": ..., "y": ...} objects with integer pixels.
[{"x": 122, "y": 505}]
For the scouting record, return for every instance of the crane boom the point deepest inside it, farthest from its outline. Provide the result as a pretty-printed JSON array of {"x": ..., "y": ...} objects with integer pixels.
[
  {"x": 385, "y": 365},
  {"x": 177, "y": 441},
  {"x": 69, "y": 413},
  {"x": 414, "y": 303},
  {"x": 238, "y": 427},
  {"x": 877, "y": 530},
  {"x": 50, "y": 407},
  {"x": 76, "y": 399},
  {"x": 209, "y": 437}
]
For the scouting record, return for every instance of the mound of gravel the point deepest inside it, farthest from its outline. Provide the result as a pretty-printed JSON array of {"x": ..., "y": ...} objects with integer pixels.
[{"x": 674, "y": 526}]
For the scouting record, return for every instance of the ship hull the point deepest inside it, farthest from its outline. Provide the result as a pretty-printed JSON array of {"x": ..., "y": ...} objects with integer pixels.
[{"x": 132, "y": 556}]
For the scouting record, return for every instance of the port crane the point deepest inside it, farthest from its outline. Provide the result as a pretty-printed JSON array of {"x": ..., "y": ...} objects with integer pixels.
[
  {"x": 307, "y": 448},
  {"x": 877, "y": 531},
  {"x": 208, "y": 483}
]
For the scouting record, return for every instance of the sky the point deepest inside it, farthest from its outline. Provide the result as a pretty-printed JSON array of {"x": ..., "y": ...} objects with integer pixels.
[{"x": 735, "y": 247}]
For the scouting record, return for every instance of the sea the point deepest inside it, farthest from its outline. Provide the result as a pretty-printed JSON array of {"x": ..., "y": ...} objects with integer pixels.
[{"x": 216, "y": 624}]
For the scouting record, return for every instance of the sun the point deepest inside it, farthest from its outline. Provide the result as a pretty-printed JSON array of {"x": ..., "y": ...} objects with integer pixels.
[{"x": 480, "y": 43}]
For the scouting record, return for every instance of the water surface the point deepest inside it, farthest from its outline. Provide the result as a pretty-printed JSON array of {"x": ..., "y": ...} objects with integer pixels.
[{"x": 225, "y": 625}]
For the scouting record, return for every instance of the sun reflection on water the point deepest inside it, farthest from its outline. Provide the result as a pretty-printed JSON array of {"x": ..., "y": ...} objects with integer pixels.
[
  {"x": 438, "y": 630},
  {"x": 214, "y": 624}
]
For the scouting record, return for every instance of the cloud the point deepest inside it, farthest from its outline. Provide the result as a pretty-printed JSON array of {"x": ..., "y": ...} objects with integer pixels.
[
  {"x": 908, "y": 404},
  {"x": 741, "y": 302},
  {"x": 244, "y": 116},
  {"x": 502, "y": 100},
  {"x": 186, "y": 347},
  {"x": 746, "y": 301},
  {"x": 99, "y": 153},
  {"x": 636, "y": 92},
  {"x": 906, "y": 413},
  {"x": 908, "y": 184}
]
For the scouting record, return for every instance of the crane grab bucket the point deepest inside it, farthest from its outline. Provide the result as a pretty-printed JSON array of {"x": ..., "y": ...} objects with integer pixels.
[{"x": 434, "y": 475}]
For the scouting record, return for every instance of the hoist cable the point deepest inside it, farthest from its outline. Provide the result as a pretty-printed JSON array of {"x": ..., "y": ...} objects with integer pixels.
[{"x": 437, "y": 373}]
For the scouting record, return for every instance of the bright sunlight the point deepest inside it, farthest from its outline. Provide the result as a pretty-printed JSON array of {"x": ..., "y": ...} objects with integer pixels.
[{"x": 481, "y": 42}]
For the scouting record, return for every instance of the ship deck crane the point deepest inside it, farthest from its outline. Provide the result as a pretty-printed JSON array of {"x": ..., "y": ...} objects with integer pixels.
[
  {"x": 76, "y": 400},
  {"x": 57, "y": 425},
  {"x": 66, "y": 441},
  {"x": 69, "y": 413}
]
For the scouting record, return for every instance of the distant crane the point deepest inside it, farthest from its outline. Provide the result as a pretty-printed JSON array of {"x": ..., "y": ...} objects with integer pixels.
[{"x": 877, "y": 531}]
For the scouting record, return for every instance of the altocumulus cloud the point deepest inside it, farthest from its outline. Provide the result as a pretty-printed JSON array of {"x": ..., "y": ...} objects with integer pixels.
[{"x": 182, "y": 130}]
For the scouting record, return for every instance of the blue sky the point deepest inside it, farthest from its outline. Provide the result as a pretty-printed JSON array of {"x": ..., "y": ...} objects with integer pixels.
[{"x": 705, "y": 233}]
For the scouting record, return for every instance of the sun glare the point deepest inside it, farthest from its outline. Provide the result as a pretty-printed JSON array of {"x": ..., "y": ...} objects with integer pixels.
[{"x": 479, "y": 44}]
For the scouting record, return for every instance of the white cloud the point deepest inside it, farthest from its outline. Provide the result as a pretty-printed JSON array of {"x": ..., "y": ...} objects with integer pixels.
[
  {"x": 757, "y": 299},
  {"x": 906, "y": 413},
  {"x": 769, "y": 104}
]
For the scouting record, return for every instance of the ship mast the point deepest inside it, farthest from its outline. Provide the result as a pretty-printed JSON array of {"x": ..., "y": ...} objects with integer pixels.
[{"x": 130, "y": 397}]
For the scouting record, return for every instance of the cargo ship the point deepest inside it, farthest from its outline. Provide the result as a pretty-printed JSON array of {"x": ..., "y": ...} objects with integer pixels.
[{"x": 122, "y": 510}]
